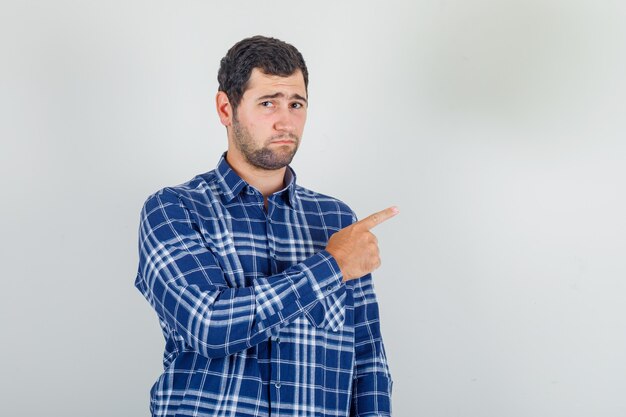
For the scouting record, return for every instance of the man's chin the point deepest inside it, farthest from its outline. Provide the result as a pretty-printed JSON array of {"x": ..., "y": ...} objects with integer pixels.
[{"x": 272, "y": 163}]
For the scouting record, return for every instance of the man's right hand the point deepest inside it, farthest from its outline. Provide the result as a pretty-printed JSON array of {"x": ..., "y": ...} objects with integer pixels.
[{"x": 355, "y": 248}]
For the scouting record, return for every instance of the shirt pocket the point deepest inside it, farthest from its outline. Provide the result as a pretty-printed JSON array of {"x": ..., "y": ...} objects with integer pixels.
[{"x": 329, "y": 313}]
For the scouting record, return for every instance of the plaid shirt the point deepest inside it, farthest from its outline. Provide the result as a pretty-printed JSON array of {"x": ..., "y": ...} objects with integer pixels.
[{"x": 256, "y": 318}]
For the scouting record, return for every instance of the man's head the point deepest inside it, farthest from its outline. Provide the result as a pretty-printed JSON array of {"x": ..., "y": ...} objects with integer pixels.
[
  {"x": 262, "y": 101},
  {"x": 271, "y": 56}
]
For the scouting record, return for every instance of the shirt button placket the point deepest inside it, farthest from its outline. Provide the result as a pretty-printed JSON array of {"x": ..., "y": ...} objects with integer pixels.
[
  {"x": 270, "y": 242},
  {"x": 275, "y": 400},
  {"x": 275, "y": 346}
]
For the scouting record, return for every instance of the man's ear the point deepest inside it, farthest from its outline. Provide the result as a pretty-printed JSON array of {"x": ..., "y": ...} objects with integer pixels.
[{"x": 224, "y": 109}]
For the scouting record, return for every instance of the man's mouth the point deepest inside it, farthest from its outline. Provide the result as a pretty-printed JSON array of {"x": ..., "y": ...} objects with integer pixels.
[{"x": 283, "y": 141}]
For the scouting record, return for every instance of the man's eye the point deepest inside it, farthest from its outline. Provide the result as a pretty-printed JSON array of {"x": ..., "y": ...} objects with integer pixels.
[
  {"x": 296, "y": 105},
  {"x": 266, "y": 104}
]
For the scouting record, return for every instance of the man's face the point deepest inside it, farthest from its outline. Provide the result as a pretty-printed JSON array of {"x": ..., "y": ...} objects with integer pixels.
[{"x": 268, "y": 123}]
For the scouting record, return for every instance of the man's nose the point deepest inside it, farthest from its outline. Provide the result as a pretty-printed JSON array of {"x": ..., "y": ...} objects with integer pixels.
[{"x": 284, "y": 121}]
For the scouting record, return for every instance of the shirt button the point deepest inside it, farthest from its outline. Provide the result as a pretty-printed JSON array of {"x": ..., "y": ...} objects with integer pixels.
[
  {"x": 330, "y": 288},
  {"x": 278, "y": 340},
  {"x": 277, "y": 385}
]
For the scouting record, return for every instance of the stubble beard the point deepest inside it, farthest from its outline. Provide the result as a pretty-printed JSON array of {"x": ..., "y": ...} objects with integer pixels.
[{"x": 264, "y": 157}]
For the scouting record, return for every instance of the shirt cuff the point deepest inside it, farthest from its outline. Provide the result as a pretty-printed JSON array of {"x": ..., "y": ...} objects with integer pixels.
[
  {"x": 279, "y": 299},
  {"x": 323, "y": 273}
]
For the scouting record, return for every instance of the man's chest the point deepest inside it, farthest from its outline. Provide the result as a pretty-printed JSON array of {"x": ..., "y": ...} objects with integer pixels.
[{"x": 250, "y": 241}]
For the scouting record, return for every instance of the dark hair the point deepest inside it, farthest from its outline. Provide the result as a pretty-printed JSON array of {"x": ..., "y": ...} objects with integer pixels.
[{"x": 272, "y": 56}]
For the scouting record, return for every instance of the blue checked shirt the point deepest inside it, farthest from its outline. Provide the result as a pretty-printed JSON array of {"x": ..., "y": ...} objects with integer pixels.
[{"x": 256, "y": 319}]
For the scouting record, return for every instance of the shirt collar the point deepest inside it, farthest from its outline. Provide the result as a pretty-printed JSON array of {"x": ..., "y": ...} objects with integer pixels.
[
  {"x": 232, "y": 184},
  {"x": 290, "y": 180}
]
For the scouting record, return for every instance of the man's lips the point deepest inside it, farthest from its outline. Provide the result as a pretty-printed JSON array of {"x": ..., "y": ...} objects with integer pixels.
[{"x": 283, "y": 141}]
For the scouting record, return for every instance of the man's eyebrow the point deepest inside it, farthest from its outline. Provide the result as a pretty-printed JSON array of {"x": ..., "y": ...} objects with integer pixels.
[{"x": 281, "y": 95}]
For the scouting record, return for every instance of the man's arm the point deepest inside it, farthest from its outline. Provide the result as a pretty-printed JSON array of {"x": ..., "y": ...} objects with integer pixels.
[
  {"x": 371, "y": 387},
  {"x": 372, "y": 384},
  {"x": 183, "y": 281}
]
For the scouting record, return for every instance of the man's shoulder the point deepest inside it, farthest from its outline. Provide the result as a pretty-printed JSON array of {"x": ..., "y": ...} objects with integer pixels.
[
  {"x": 309, "y": 198},
  {"x": 197, "y": 189}
]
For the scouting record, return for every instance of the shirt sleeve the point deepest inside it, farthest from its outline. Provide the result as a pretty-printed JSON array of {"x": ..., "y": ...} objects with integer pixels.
[
  {"x": 372, "y": 385},
  {"x": 182, "y": 280}
]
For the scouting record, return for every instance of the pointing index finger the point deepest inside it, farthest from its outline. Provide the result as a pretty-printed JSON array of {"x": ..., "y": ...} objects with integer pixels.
[{"x": 377, "y": 218}]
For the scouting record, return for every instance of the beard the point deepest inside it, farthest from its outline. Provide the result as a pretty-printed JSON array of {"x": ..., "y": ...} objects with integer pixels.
[{"x": 264, "y": 157}]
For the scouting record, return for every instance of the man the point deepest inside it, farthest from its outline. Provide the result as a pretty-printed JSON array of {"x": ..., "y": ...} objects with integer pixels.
[{"x": 262, "y": 287}]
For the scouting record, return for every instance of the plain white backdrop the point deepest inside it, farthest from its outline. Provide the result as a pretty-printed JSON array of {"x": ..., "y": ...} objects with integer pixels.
[{"x": 497, "y": 127}]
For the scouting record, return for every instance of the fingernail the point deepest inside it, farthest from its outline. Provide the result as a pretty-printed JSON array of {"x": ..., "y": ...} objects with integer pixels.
[{"x": 395, "y": 209}]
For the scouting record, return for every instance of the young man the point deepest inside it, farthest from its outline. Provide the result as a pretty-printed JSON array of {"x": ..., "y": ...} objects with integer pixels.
[{"x": 262, "y": 287}]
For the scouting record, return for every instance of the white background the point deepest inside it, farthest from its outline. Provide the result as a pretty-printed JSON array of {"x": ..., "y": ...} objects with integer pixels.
[{"x": 497, "y": 127}]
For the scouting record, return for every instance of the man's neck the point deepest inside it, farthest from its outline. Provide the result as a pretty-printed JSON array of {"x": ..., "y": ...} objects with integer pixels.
[{"x": 266, "y": 181}]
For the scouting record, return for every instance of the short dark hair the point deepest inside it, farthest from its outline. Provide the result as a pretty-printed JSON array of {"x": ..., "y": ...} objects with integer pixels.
[{"x": 271, "y": 56}]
